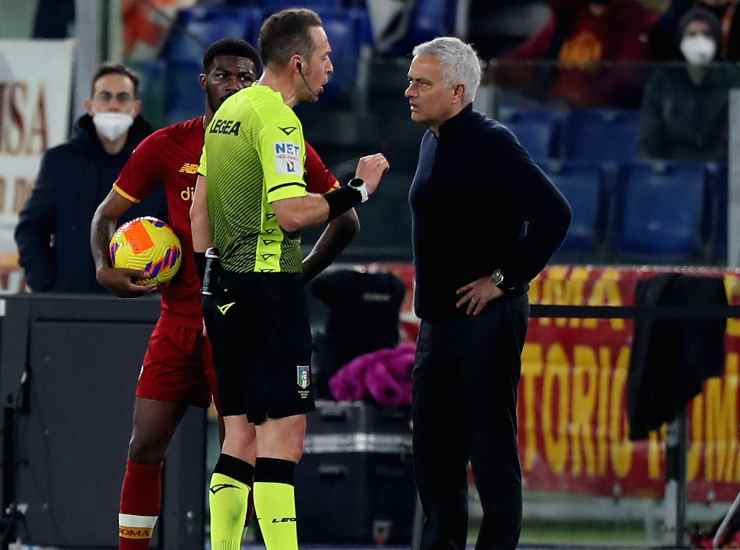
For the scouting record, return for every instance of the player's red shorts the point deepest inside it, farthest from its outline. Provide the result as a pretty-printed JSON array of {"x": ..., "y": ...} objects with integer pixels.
[{"x": 177, "y": 364}]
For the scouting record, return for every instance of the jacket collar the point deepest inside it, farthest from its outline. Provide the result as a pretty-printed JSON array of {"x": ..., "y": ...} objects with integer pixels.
[{"x": 456, "y": 124}]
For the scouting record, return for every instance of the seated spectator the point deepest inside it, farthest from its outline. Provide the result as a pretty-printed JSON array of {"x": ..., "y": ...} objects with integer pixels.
[
  {"x": 684, "y": 112},
  {"x": 53, "y": 231},
  {"x": 663, "y": 46},
  {"x": 584, "y": 36}
]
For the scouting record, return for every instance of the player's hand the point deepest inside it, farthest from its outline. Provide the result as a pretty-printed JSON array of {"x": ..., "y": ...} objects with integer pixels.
[
  {"x": 476, "y": 295},
  {"x": 126, "y": 283},
  {"x": 371, "y": 169}
]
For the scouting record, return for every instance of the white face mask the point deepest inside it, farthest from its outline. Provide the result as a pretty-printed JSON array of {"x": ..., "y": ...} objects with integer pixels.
[
  {"x": 698, "y": 49},
  {"x": 112, "y": 125}
]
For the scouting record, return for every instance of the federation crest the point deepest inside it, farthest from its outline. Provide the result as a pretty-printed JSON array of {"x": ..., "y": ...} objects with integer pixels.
[{"x": 303, "y": 376}]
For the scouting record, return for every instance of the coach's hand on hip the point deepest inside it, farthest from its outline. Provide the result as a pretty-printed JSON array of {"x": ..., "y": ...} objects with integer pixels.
[
  {"x": 371, "y": 170},
  {"x": 477, "y": 294}
]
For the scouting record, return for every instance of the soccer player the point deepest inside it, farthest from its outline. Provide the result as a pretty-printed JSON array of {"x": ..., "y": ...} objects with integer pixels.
[
  {"x": 256, "y": 203},
  {"x": 177, "y": 370}
]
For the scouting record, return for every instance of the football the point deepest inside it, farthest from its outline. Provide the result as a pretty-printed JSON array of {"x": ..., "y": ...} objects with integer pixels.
[{"x": 147, "y": 244}]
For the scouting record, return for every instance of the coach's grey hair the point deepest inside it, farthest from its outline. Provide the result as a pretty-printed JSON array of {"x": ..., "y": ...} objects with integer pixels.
[{"x": 460, "y": 63}]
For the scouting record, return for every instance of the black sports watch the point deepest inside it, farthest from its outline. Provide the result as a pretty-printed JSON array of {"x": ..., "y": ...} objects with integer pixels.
[
  {"x": 498, "y": 277},
  {"x": 358, "y": 184}
]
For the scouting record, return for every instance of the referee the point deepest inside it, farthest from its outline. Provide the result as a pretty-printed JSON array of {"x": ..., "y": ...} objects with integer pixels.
[
  {"x": 252, "y": 171},
  {"x": 485, "y": 221}
]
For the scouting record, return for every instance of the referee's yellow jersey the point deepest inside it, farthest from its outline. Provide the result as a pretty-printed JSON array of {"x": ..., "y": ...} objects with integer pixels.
[{"x": 253, "y": 155}]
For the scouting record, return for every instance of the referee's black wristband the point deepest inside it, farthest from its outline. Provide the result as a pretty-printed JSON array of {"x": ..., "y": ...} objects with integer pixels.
[
  {"x": 346, "y": 197},
  {"x": 200, "y": 263}
]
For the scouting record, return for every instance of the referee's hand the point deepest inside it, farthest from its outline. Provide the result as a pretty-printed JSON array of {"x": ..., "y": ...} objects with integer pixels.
[
  {"x": 126, "y": 283},
  {"x": 371, "y": 170}
]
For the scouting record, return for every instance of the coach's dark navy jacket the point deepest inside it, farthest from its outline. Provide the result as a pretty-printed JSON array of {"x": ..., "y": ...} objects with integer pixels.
[
  {"x": 479, "y": 203},
  {"x": 53, "y": 231}
]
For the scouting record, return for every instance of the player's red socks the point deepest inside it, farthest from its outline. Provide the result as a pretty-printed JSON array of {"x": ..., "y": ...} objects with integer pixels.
[{"x": 141, "y": 496}]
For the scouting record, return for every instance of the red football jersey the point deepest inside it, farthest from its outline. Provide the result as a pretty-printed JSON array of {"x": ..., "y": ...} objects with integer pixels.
[{"x": 170, "y": 157}]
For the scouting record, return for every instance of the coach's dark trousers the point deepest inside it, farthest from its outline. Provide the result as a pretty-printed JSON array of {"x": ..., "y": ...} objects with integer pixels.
[{"x": 464, "y": 409}]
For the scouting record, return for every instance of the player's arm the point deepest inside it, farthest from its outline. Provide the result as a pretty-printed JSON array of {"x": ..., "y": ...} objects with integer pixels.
[
  {"x": 199, "y": 216},
  {"x": 199, "y": 223},
  {"x": 119, "y": 281},
  {"x": 295, "y": 213},
  {"x": 339, "y": 232},
  {"x": 335, "y": 238}
]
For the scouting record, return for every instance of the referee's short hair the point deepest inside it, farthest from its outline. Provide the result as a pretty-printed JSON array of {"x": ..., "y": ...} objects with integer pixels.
[
  {"x": 232, "y": 46},
  {"x": 460, "y": 63},
  {"x": 286, "y": 33}
]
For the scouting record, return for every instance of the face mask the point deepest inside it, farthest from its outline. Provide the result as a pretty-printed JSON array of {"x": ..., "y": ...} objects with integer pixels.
[
  {"x": 699, "y": 49},
  {"x": 112, "y": 125}
]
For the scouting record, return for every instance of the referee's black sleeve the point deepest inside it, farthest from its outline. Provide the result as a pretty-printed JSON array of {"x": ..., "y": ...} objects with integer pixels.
[{"x": 540, "y": 204}]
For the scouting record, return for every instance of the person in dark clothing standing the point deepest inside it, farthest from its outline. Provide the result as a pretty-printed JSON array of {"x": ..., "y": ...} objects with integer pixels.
[
  {"x": 485, "y": 222},
  {"x": 685, "y": 108},
  {"x": 52, "y": 234}
]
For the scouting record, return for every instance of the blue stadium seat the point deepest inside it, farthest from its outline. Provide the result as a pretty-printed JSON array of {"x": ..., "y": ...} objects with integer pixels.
[
  {"x": 184, "y": 96},
  {"x": 363, "y": 26},
  {"x": 195, "y": 28},
  {"x": 427, "y": 19},
  {"x": 272, "y": 6},
  {"x": 432, "y": 18},
  {"x": 342, "y": 32},
  {"x": 152, "y": 89},
  {"x": 663, "y": 213},
  {"x": 537, "y": 131},
  {"x": 602, "y": 135},
  {"x": 583, "y": 184},
  {"x": 717, "y": 179}
]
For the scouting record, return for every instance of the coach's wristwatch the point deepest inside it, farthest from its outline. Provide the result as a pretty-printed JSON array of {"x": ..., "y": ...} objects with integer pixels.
[{"x": 498, "y": 278}]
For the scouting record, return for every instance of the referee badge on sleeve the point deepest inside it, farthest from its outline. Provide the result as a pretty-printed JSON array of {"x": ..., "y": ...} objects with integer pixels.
[
  {"x": 288, "y": 158},
  {"x": 303, "y": 379}
]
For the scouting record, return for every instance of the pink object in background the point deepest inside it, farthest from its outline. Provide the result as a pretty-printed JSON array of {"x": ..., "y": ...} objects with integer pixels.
[{"x": 384, "y": 375}]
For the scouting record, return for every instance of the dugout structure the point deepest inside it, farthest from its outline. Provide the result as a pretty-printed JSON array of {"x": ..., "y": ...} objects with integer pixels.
[{"x": 68, "y": 369}]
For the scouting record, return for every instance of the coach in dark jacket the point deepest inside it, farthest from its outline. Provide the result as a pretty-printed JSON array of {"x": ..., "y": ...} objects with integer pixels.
[
  {"x": 485, "y": 221},
  {"x": 53, "y": 228}
]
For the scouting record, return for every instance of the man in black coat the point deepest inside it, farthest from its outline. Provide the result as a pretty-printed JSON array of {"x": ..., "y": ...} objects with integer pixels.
[
  {"x": 485, "y": 221},
  {"x": 53, "y": 228}
]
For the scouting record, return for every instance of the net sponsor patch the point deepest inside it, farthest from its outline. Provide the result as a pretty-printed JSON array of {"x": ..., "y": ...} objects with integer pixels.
[{"x": 288, "y": 158}]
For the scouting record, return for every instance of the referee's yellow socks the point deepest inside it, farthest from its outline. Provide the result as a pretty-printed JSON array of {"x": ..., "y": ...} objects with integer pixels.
[
  {"x": 274, "y": 503},
  {"x": 227, "y": 497}
]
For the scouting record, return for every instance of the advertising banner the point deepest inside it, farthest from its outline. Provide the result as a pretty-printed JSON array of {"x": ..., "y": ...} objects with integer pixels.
[
  {"x": 35, "y": 88},
  {"x": 573, "y": 429}
]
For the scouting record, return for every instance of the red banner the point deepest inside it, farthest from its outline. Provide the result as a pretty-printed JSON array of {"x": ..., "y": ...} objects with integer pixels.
[{"x": 572, "y": 395}]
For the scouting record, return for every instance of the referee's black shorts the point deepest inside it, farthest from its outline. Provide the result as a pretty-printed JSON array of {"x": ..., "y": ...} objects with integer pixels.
[{"x": 261, "y": 339}]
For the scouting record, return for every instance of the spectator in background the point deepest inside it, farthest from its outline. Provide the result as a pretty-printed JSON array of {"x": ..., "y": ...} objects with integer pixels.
[
  {"x": 684, "y": 112},
  {"x": 662, "y": 40},
  {"x": 580, "y": 36},
  {"x": 53, "y": 228}
]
